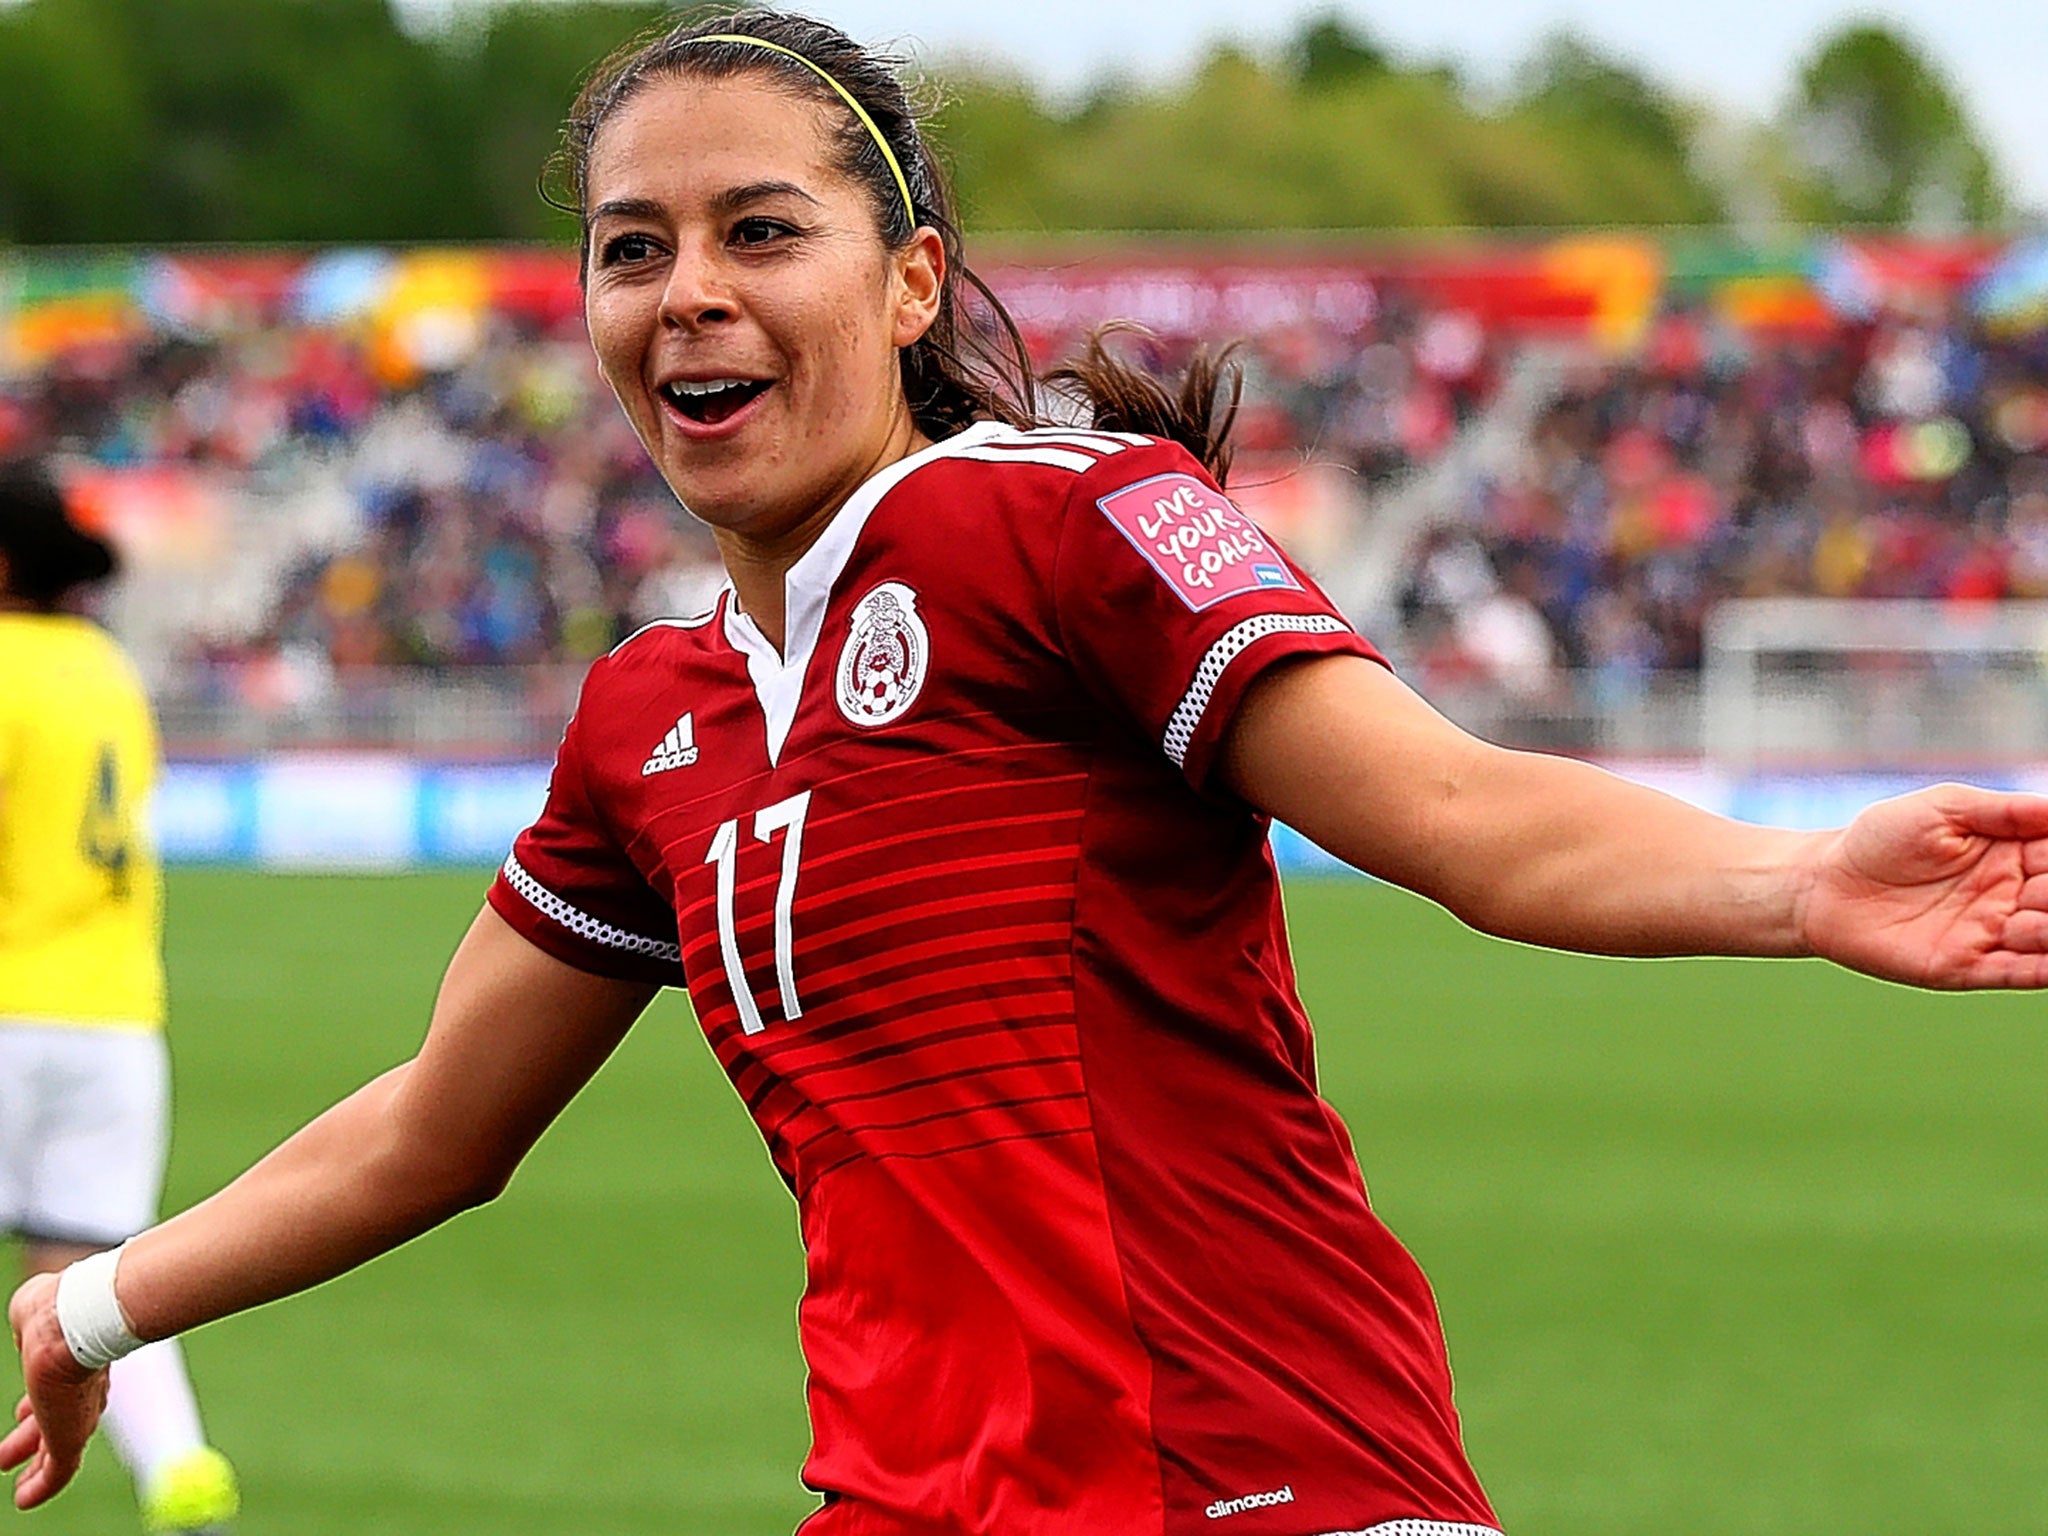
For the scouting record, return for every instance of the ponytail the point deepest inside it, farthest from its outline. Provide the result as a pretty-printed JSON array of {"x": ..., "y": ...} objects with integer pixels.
[{"x": 1198, "y": 411}]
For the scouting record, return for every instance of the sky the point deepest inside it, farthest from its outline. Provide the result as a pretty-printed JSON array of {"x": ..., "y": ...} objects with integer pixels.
[{"x": 1739, "y": 53}]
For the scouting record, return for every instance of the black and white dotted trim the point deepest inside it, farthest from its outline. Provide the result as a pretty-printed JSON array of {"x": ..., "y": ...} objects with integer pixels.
[
  {"x": 1420, "y": 1528},
  {"x": 582, "y": 924},
  {"x": 1187, "y": 715}
]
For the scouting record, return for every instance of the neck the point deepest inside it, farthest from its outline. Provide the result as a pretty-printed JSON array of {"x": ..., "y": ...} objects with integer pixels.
[{"x": 759, "y": 563}]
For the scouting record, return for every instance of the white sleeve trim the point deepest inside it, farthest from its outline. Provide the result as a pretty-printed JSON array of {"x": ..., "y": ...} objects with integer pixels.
[
  {"x": 581, "y": 923},
  {"x": 1051, "y": 457},
  {"x": 1420, "y": 1528},
  {"x": 692, "y": 621},
  {"x": 1187, "y": 715}
]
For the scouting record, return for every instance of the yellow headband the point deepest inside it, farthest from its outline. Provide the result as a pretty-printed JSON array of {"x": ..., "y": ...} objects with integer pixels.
[{"x": 859, "y": 111}]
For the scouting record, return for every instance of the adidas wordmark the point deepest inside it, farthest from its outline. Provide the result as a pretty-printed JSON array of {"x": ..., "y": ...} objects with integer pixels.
[{"x": 678, "y": 749}]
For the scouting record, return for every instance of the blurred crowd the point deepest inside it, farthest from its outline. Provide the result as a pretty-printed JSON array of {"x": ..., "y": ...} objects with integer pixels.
[
  {"x": 494, "y": 508},
  {"x": 499, "y": 509},
  {"x": 1905, "y": 457}
]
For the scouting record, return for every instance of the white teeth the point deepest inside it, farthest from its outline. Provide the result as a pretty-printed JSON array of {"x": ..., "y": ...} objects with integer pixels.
[{"x": 708, "y": 387}]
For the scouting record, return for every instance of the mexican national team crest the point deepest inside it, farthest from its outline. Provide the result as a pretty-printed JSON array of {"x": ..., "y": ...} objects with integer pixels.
[{"x": 883, "y": 664}]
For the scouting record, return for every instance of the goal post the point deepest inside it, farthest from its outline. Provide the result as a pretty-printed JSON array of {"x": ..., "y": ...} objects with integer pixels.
[{"x": 1835, "y": 684}]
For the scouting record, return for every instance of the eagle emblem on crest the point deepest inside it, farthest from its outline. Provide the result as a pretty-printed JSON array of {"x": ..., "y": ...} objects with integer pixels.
[{"x": 887, "y": 653}]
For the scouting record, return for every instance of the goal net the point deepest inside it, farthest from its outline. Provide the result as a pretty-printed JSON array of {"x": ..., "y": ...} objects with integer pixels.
[{"x": 1821, "y": 684}]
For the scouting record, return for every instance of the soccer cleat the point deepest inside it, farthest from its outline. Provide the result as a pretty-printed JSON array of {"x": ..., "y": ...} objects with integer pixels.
[{"x": 196, "y": 1495}]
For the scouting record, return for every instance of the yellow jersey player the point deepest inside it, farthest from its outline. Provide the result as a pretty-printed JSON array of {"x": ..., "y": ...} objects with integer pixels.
[{"x": 84, "y": 1072}]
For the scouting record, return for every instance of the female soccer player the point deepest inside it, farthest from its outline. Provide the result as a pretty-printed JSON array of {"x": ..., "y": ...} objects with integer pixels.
[
  {"x": 952, "y": 818},
  {"x": 84, "y": 1071}
]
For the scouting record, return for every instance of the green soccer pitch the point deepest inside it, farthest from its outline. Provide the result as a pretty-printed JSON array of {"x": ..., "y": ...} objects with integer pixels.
[{"x": 1722, "y": 1248}]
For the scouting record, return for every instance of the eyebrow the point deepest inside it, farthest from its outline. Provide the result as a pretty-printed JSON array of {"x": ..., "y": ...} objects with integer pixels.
[
  {"x": 729, "y": 201},
  {"x": 626, "y": 208},
  {"x": 735, "y": 198}
]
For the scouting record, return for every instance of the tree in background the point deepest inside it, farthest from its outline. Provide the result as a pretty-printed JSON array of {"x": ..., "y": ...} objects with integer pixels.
[
  {"x": 1330, "y": 51},
  {"x": 1569, "y": 80},
  {"x": 1335, "y": 133},
  {"x": 516, "y": 69},
  {"x": 1618, "y": 115},
  {"x": 152, "y": 121},
  {"x": 1879, "y": 137},
  {"x": 294, "y": 120},
  {"x": 72, "y": 158},
  {"x": 145, "y": 120}
]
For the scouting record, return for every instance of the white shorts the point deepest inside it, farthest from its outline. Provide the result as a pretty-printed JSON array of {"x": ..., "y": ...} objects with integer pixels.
[{"x": 84, "y": 1130}]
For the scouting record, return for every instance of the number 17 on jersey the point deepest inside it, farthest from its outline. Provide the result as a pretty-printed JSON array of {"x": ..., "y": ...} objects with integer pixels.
[{"x": 786, "y": 817}]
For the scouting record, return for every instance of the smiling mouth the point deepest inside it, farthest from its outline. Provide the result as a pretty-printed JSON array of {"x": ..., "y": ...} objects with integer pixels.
[{"x": 714, "y": 400}]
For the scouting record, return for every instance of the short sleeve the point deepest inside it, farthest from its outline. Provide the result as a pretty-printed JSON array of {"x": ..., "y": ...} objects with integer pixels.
[
  {"x": 570, "y": 889},
  {"x": 1171, "y": 601}
]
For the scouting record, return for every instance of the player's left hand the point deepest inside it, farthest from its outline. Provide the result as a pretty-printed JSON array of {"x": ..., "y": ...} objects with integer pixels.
[
  {"x": 1944, "y": 888},
  {"x": 63, "y": 1403}
]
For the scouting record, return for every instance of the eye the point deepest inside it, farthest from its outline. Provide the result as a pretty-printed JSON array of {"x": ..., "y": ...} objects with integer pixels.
[
  {"x": 625, "y": 250},
  {"x": 757, "y": 231}
]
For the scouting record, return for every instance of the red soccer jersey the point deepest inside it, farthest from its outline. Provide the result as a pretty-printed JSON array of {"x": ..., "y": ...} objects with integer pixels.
[{"x": 1004, "y": 981}]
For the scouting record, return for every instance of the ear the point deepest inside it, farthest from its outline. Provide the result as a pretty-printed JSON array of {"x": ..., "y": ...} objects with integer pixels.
[{"x": 920, "y": 285}]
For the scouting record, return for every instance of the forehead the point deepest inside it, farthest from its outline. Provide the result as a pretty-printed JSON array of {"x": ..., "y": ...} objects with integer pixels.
[{"x": 681, "y": 136}]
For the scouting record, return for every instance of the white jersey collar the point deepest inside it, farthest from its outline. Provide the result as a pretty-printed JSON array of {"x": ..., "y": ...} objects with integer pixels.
[{"x": 807, "y": 589}]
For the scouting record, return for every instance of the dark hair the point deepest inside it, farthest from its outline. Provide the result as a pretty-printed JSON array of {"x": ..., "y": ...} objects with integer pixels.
[
  {"x": 46, "y": 554},
  {"x": 972, "y": 364}
]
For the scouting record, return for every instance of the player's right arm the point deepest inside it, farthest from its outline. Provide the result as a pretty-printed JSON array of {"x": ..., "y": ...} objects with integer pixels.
[{"x": 516, "y": 1033}]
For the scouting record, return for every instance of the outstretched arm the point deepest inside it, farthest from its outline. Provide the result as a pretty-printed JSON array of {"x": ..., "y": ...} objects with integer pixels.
[
  {"x": 515, "y": 1035},
  {"x": 1946, "y": 888}
]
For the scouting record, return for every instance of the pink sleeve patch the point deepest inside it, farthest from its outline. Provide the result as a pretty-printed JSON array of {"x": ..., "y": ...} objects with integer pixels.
[{"x": 1201, "y": 546}]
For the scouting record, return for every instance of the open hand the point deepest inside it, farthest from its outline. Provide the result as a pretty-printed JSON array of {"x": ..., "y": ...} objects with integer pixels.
[
  {"x": 63, "y": 1403},
  {"x": 1944, "y": 888}
]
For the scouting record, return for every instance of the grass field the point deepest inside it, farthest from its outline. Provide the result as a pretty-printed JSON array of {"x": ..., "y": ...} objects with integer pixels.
[{"x": 1722, "y": 1248}]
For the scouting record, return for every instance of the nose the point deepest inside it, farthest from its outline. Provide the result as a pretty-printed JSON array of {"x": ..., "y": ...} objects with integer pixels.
[{"x": 698, "y": 292}]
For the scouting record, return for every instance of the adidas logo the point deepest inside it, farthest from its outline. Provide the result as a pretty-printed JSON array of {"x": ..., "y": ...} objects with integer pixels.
[{"x": 678, "y": 749}]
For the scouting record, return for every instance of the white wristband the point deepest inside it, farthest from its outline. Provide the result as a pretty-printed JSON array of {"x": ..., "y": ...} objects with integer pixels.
[{"x": 90, "y": 1315}]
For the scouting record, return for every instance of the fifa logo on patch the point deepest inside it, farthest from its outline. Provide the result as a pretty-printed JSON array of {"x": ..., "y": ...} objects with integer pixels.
[
  {"x": 882, "y": 666},
  {"x": 1272, "y": 576}
]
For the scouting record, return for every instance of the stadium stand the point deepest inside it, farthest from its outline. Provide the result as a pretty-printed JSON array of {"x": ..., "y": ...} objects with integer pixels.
[{"x": 1532, "y": 467}]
